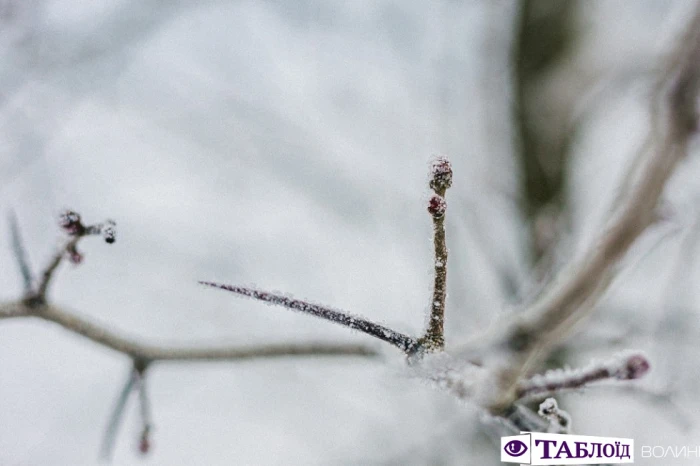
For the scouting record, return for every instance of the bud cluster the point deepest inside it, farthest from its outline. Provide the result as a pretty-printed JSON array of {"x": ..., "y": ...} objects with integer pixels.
[{"x": 72, "y": 224}]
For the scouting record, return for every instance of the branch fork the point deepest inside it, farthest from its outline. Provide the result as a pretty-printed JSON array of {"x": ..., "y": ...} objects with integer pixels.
[{"x": 433, "y": 340}]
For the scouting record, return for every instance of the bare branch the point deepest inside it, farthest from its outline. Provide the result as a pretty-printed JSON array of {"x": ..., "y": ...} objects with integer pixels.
[
  {"x": 441, "y": 180},
  {"x": 145, "y": 412},
  {"x": 48, "y": 272},
  {"x": 404, "y": 342},
  {"x": 116, "y": 417},
  {"x": 626, "y": 366},
  {"x": 20, "y": 253},
  {"x": 135, "y": 349},
  {"x": 72, "y": 225}
]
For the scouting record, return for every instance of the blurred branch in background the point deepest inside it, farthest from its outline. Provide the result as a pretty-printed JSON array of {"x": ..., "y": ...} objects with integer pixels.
[
  {"x": 545, "y": 34},
  {"x": 571, "y": 296}
]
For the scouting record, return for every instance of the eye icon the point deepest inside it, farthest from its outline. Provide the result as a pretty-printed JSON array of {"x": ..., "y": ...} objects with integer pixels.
[{"x": 515, "y": 448}]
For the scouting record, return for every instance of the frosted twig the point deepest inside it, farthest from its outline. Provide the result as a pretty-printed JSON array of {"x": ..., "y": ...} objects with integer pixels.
[
  {"x": 625, "y": 366},
  {"x": 441, "y": 180},
  {"x": 404, "y": 342},
  {"x": 20, "y": 253}
]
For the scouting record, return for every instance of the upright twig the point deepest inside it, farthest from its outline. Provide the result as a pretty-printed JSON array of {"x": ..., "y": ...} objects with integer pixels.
[{"x": 441, "y": 180}]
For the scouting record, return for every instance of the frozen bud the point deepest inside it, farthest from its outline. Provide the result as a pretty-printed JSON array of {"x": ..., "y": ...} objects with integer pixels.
[
  {"x": 437, "y": 206},
  {"x": 440, "y": 174},
  {"x": 109, "y": 231},
  {"x": 70, "y": 221},
  {"x": 633, "y": 367}
]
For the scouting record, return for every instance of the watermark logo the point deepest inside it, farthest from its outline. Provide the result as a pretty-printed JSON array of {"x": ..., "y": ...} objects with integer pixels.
[
  {"x": 553, "y": 449},
  {"x": 515, "y": 448}
]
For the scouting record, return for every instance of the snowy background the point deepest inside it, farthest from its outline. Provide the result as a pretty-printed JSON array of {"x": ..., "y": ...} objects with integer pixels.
[{"x": 286, "y": 145}]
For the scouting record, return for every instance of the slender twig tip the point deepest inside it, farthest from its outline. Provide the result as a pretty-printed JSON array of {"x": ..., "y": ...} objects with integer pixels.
[{"x": 440, "y": 174}]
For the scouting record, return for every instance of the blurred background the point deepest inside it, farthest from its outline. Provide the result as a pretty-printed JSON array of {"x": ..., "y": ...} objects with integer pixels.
[{"x": 286, "y": 145}]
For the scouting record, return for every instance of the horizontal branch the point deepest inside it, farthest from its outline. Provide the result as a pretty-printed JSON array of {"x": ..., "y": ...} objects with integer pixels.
[
  {"x": 137, "y": 350},
  {"x": 625, "y": 366}
]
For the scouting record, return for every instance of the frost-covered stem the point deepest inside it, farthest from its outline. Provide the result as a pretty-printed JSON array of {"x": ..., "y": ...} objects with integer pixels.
[
  {"x": 405, "y": 343},
  {"x": 20, "y": 254},
  {"x": 441, "y": 180},
  {"x": 116, "y": 416},
  {"x": 626, "y": 366}
]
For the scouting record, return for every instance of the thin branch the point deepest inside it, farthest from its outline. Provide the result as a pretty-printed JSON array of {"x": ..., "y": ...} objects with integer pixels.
[
  {"x": 441, "y": 180},
  {"x": 48, "y": 272},
  {"x": 404, "y": 342},
  {"x": 117, "y": 413},
  {"x": 145, "y": 413},
  {"x": 20, "y": 253},
  {"x": 626, "y": 366},
  {"x": 136, "y": 349}
]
